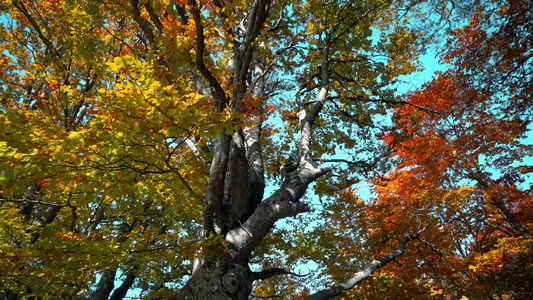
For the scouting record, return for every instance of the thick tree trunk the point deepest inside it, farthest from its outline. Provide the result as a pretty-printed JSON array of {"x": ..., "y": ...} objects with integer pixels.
[{"x": 218, "y": 278}]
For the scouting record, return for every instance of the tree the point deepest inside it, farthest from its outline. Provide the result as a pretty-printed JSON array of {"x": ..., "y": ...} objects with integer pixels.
[
  {"x": 138, "y": 138},
  {"x": 461, "y": 161}
]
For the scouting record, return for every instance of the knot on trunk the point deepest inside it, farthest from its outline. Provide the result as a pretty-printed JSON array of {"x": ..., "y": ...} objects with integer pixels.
[{"x": 231, "y": 282}]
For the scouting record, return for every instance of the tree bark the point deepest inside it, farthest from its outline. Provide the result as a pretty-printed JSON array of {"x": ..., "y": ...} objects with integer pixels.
[
  {"x": 120, "y": 292},
  {"x": 219, "y": 278},
  {"x": 105, "y": 285}
]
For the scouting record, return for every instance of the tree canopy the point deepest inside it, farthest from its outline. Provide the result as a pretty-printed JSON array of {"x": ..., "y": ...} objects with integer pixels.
[{"x": 207, "y": 149}]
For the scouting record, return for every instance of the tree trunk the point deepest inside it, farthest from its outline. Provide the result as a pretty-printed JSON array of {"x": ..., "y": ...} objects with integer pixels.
[{"x": 219, "y": 278}]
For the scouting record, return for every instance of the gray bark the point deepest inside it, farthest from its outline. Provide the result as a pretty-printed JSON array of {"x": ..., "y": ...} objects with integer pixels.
[
  {"x": 236, "y": 191},
  {"x": 215, "y": 215},
  {"x": 237, "y": 175},
  {"x": 283, "y": 203},
  {"x": 218, "y": 279},
  {"x": 105, "y": 285},
  {"x": 255, "y": 164}
]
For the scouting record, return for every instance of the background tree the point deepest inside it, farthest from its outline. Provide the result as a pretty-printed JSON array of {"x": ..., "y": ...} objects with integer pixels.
[
  {"x": 138, "y": 138},
  {"x": 465, "y": 161}
]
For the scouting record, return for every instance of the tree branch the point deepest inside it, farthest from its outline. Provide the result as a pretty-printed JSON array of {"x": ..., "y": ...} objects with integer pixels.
[
  {"x": 33, "y": 202},
  {"x": 144, "y": 26},
  {"x": 364, "y": 274},
  {"x": 105, "y": 285},
  {"x": 244, "y": 53},
  {"x": 305, "y": 120},
  {"x": 265, "y": 274},
  {"x": 283, "y": 203},
  {"x": 349, "y": 162},
  {"x": 120, "y": 292},
  {"x": 217, "y": 91},
  {"x": 20, "y": 6},
  {"x": 215, "y": 187},
  {"x": 252, "y": 135},
  {"x": 390, "y": 101},
  {"x": 154, "y": 17}
]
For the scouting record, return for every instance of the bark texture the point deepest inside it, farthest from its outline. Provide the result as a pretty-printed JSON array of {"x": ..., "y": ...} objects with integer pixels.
[{"x": 221, "y": 278}]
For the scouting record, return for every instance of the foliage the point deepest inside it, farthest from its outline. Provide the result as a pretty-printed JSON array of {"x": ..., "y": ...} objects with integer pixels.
[
  {"x": 157, "y": 145},
  {"x": 460, "y": 149}
]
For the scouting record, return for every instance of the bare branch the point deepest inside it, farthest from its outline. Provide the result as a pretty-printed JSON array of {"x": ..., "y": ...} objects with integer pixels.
[
  {"x": 431, "y": 247},
  {"x": 390, "y": 101},
  {"x": 350, "y": 162},
  {"x": 265, "y": 274}
]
